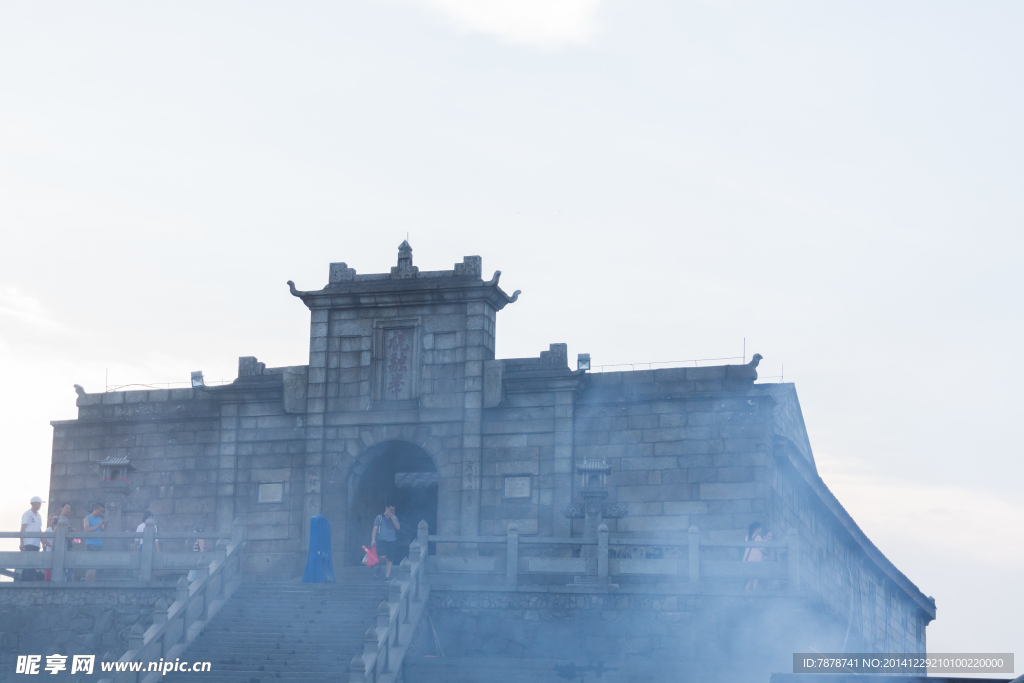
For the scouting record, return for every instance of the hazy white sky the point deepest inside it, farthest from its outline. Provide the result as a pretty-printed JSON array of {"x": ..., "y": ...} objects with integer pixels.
[{"x": 839, "y": 183}]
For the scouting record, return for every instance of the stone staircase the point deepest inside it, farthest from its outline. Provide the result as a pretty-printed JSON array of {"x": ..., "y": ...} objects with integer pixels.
[{"x": 288, "y": 631}]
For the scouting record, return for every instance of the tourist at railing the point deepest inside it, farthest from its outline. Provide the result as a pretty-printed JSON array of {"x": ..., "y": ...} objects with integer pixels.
[
  {"x": 753, "y": 554},
  {"x": 32, "y": 521},
  {"x": 48, "y": 544},
  {"x": 72, "y": 543},
  {"x": 146, "y": 519},
  {"x": 198, "y": 547},
  {"x": 384, "y": 537},
  {"x": 91, "y": 523}
]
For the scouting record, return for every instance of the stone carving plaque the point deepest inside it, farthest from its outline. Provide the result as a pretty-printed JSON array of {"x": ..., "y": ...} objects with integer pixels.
[
  {"x": 271, "y": 493},
  {"x": 398, "y": 364},
  {"x": 517, "y": 486}
]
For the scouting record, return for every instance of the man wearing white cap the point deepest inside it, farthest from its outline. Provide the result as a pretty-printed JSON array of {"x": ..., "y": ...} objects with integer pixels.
[{"x": 32, "y": 521}]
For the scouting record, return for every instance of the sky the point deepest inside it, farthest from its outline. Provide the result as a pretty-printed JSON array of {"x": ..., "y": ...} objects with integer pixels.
[{"x": 834, "y": 185}]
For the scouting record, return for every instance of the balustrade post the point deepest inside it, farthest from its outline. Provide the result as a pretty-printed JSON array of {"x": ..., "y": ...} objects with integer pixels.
[
  {"x": 183, "y": 596},
  {"x": 357, "y": 669},
  {"x": 415, "y": 558},
  {"x": 181, "y": 590},
  {"x": 404, "y": 569},
  {"x": 136, "y": 639},
  {"x": 159, "y": 619},
  {"x": 422, "y": 534},
  {"x": 383, "y": 614},
  {"x": 693, "y": 552},
  {"x": 220, "y": 549},
  {"x": 395, "y": 600},
  {"x": 793, "y": 561},
  {"x": 512, "y": 556},
  {"x": 237, "y": 531},
  {"x": 160, "y": 612},
  {"x": 148, "y": 548},
  {"x": 602, "y": 553},
  {"x": 373, "y": 652},
  {"x": 60, "y": 547}
]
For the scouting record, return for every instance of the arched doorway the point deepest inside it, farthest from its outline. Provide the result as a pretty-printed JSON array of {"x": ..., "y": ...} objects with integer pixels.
[{"x": 395, "y": 473}]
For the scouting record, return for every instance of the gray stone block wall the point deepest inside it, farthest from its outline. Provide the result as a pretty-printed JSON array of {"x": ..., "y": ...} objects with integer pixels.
[
  {"x": 884, "y": 615},
  {"x": 72, "y": 620},
  {"x": 406, "y": 361},
  {"x": 715, "y": 638},
  {"x": 684, "y": 450},
  {"x": 172, "y": 440}
]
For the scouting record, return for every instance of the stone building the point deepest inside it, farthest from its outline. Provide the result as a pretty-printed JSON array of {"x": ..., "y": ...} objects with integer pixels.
[{"x": 403, "y": 401}]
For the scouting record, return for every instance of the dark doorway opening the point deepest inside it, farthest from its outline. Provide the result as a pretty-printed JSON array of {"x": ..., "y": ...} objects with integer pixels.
[{"x": 401, "y": 474}]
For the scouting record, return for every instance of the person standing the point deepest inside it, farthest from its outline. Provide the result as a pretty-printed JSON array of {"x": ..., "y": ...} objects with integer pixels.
[
  {"x": 385, "y": 538},
  {"x": 146, "y": 519},
  {"x": 753, "y": 554},
  {"x": 48, "y": 544},
  {"x": 90, "y": 524},
  {"x": 31, "y": 522},
  {"x": 65, "y": 515},
  {"x": 198, "y": 547}
]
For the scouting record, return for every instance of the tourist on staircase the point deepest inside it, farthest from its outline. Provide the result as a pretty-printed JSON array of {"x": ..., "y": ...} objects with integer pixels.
[{"x": 385, "y": 539}]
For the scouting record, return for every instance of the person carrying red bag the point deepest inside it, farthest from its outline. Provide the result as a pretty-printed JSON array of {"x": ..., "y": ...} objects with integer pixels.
[{"x": 384, "y": 539}]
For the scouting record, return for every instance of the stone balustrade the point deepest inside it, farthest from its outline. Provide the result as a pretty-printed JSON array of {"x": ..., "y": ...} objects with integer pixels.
[
  {"x": 388, "y": 640},
  {"x": 176, "y": 625},
  {"x": 704, "y": 567},
  {"x": 141, "y": 563}
]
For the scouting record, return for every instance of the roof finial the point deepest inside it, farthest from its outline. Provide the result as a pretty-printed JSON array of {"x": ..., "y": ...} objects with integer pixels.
[
  {"x": 404, "y": 255},
  {"x": 404, "y": 269}
]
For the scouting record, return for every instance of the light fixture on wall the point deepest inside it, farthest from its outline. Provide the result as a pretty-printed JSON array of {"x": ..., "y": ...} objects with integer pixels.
[
  {"x": 583, "y": 361},
  {"x": 197, "y": 379}
]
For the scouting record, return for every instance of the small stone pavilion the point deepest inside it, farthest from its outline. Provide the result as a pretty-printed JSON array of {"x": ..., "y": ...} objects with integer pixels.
[{"x": 404, "y": 402}]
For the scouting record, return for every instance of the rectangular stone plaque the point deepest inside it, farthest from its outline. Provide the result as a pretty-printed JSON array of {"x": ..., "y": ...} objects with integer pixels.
[
  {"x": 517, "y": 486},
  {"x": 271, "y": 493}
]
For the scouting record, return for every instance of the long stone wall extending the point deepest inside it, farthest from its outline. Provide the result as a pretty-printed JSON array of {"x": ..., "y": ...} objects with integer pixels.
[
  {"x": 74, "y": 619},
  {"x": 626, "y": 636}
]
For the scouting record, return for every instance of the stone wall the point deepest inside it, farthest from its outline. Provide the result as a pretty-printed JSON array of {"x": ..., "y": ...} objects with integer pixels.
[
  {"x": 172, "y": 439},
  {"x": 688, "y": 446},
  {"x": 75, "y": 619},
  {"x": 710, "y": 638},
  {"x": 884, "y": 615}
]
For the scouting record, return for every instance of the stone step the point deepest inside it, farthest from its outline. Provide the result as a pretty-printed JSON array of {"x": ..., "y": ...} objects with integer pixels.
[{"x": 294, "y": 632}]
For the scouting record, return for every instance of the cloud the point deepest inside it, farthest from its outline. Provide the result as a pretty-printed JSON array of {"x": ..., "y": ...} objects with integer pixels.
[
  {"x": 548, "y": 23},
  {"x": 942, "y": 520},
  {"x": 15, "y": 304}
]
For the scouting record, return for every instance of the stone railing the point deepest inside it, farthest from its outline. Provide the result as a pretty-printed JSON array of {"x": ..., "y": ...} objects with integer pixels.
[
  {"x": 176, "y": 625},
  {"x": 142, "y": 563},
  {"x": 388, "y": 640},
  {"x": 598, "y": 563}
]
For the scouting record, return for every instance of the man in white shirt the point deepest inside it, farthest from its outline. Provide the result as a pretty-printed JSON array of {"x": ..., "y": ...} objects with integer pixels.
[
  {"x": 142, "y": 527},
  {"x": 32, "y": 521}
]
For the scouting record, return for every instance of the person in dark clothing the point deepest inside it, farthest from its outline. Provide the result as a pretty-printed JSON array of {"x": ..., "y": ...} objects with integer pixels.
[{"x": 385, "y": 538}]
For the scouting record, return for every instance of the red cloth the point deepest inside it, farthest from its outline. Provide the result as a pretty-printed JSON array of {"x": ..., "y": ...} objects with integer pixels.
[{"x": 371, "y": 556}]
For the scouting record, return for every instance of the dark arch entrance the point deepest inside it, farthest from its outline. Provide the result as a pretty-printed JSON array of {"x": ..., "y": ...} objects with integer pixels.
[{"x": 397, "y": 473}]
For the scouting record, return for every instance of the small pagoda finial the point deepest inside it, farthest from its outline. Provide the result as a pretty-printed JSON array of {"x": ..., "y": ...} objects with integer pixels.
[
  {"x": 404, "y": 255},
  {"x": 404, "y": 269}
]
